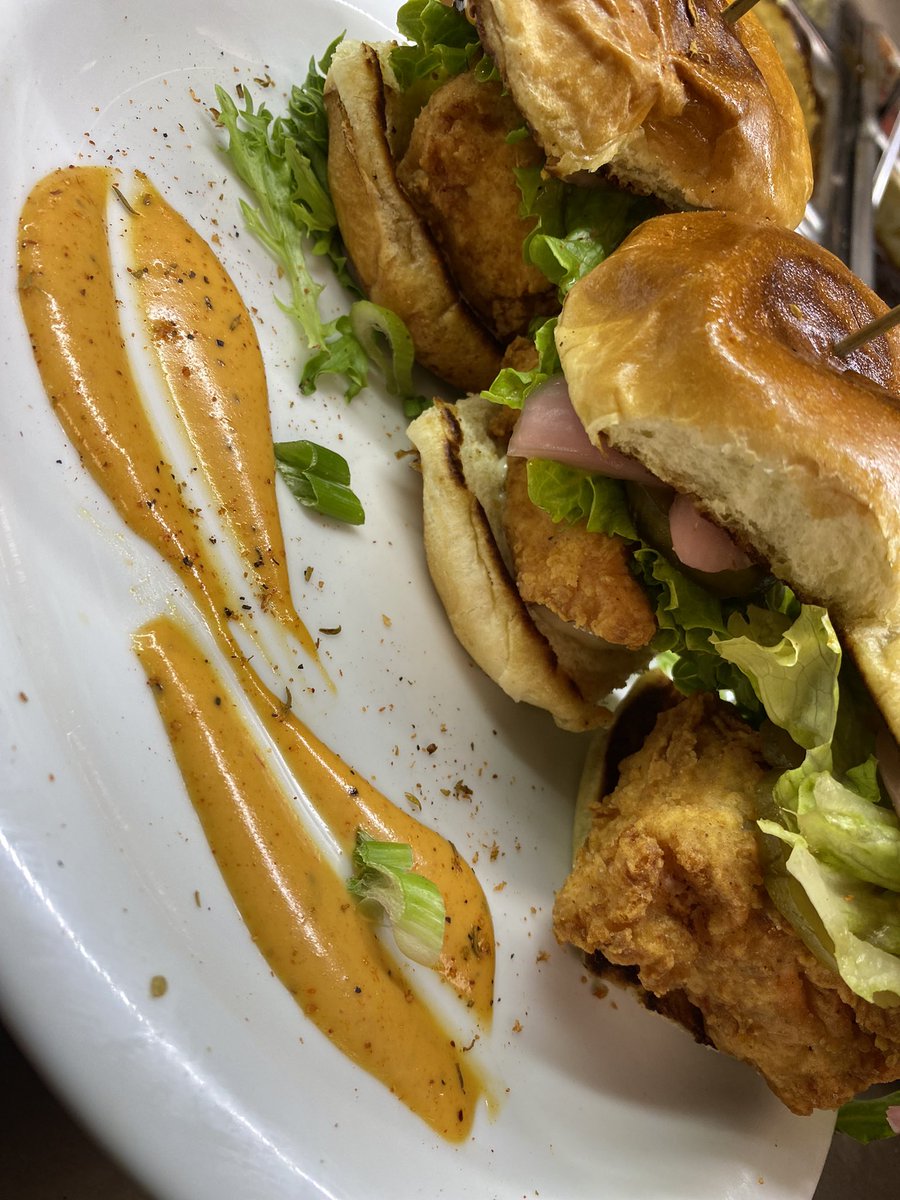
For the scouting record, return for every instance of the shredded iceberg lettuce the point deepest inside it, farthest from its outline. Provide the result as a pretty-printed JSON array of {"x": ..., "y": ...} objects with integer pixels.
[{"x": 844, "y": 841}]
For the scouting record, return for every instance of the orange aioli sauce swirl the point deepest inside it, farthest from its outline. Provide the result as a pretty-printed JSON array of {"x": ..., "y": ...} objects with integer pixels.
[
  {"x": 294, "y": 903},
  {"x": 206, "y": 346},
  {"x": 68, "y": 299},
  {"x": 295, "y": 906}
]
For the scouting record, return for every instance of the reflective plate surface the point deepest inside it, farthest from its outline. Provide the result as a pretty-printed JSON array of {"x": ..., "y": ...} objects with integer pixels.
[{"x": 221, "y": 1088}]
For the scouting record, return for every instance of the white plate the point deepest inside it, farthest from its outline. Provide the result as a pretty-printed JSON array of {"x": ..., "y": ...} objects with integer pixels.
[{"x": 221, "y": 1089}]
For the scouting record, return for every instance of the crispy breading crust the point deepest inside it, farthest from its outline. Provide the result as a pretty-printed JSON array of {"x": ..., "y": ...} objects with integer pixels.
[
  {"x": 582, "y": 577},
  {"x": 669, "y": 881},
  {"x": 459, "y": 174}
]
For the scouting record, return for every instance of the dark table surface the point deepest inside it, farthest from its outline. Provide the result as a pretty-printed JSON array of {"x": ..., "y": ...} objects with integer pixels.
[{"x": 45, "y": 1155}]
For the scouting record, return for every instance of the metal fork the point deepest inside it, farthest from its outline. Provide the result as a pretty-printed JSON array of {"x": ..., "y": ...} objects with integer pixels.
[{"x": 856, "y": 157}]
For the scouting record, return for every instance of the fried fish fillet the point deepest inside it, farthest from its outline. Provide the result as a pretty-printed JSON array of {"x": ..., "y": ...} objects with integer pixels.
[
  {"x": 582, "y": 577},
  {"x": 458, "y": 173},
  {"x": 669, "y": 881}
]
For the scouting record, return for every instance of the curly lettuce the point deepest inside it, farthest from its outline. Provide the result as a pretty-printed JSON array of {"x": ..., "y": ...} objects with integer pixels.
[{"x": 283, "y": 163}]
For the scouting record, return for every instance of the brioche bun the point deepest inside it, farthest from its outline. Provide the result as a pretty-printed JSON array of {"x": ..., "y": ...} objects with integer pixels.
[
  {"x": 668, "y": 98},
  {"x": 703, "y": 348},
  {"x": 394, "y": 256},
  {"x": 532, "y": 657}
]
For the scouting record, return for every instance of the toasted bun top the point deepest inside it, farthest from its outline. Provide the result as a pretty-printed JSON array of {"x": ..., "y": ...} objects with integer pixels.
[
  {"x": 665, "y": 94},
  {"x": 703, "y": 347}
]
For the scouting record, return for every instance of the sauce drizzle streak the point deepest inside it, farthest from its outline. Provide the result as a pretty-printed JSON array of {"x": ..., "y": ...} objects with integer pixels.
[
  {"x": 292, "y": 899},
  {"x": 206, "y": 346}
]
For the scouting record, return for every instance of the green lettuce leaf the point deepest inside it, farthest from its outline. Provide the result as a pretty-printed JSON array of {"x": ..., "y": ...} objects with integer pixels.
[
  {"x": 862, "y": 921},
  {"x": 786, "y": 792},
  {"x": 512, "y": 387},
  {"x": 849, "y": 832},
  {"x": 864, "y": 780},
  {"x": 867, "y": 1120},
  {"x": 795, "y": 676},
  {"x": 683, "y": 607},
  {"x": 569, "y": 495},
  {"x": 576, "y": 227},
  {"x": 444, "y": 44},
  {"x": 686, "y": 613},
  {"x": 688, "y": 617}
]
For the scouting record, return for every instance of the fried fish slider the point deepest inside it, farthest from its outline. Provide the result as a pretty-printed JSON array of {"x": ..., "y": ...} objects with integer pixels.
[{"x": 663, "y": 99}]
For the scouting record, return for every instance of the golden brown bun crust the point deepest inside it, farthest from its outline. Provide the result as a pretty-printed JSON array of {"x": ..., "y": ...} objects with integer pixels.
[
  {"x": 663, "y": 93},
  {"x": 397, "y": 262},
  {"x": 462, "y": 481},
  {"x": 702, "y": 347}
]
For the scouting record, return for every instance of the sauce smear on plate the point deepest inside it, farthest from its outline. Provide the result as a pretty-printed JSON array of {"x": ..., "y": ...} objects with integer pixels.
[
  {"x": 293, "y": 900},
  {"x": 294, "y": 904}
]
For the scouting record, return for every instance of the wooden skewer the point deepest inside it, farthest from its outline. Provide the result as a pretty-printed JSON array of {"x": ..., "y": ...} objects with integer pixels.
[
  {"x": 867, "y": 332},
  {"x": 736, "y": 9}
]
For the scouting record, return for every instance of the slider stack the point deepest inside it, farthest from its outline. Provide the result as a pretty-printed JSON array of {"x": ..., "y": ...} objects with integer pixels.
[{"x": 587, "y": 213}]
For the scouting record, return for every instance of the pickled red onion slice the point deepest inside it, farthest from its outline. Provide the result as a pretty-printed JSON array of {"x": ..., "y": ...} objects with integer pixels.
[
  {"x": 893, "y": 1117},
  {"x": 549, "y": 428},
  {"x": 701, "y": 544}
]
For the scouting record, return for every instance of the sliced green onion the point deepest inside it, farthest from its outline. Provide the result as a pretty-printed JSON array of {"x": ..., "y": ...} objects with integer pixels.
[
  {"x": 866, "y": 1120},
  {"x": 381, "y": 856},
  {"x": 319, "y": 478},
  {"x": 385, "y": 884},
  {"x": 386, "y": 341}
]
